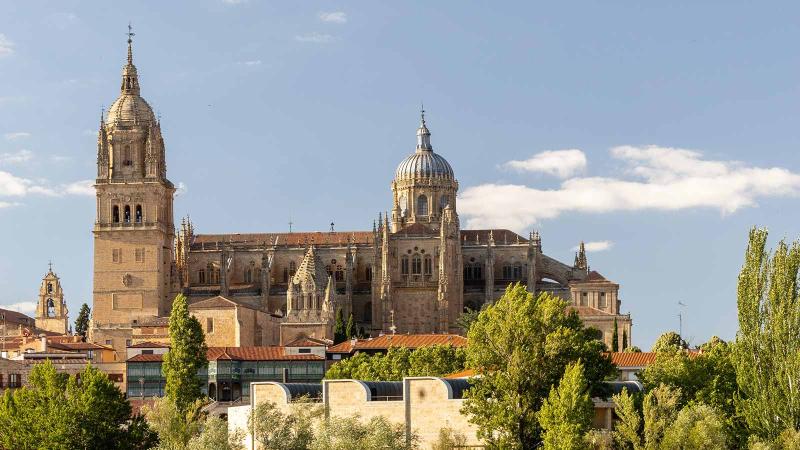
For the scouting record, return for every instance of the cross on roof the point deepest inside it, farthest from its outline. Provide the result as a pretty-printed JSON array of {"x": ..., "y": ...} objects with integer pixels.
[{"x": 130, "y": 33}]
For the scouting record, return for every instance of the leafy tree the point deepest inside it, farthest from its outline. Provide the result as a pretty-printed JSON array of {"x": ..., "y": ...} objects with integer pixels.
[
  {"x": 350, "y": 329},
  {"x": 175, "y": 428},
  {"x": 400, "y": 362},
  {"x": 708, "y": 378},
  {"x": 186, "y": 356},
  {"x": 615, "y": 337},
  {"x": 624, "y": 339},
  {"x": 82, "y": 322},
  {"x": 632, "y": 349},
  {"x": 214, "y": 436},
  {"x": 351, "y": 433},
  {"x": 567, "y": 412},
  {"x": 449, "y": 439},
  {"x": 668, "y": 342},
  {"x": 55, "y": 411},
  {"x": 521, "y": 345},
  {"x": 659, "y": 410},
  {"x": 766, "y": 355},
  {"x": 697, "y": 427},
  {"x": 338, "y": 328},
  {"x": 276, "y": 430},
  {"x": 467, "y": 318}
]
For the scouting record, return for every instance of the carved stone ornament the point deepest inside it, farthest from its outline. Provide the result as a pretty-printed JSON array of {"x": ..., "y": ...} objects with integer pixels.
[{"x": 127, "y": 280}]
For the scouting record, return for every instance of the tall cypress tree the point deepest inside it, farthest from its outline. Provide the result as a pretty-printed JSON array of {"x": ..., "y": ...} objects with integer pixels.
[
  {"x": 350, "y": 329},
  {"x": 82, "y": 322},
  {"x": 338, "y": 328},
  {"x": 186, "y": 356},
  {"x": 624, "y": 339},
  {"x": 615, "y": 337}
]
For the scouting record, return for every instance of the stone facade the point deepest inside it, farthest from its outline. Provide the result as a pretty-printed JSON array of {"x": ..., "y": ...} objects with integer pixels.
[
  {"x": 415, "y": 271},
  {"x": 51, "y": 309}
]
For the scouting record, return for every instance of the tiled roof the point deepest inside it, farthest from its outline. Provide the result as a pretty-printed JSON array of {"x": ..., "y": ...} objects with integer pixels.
[
  {"x": 585, "y": 311},
  {"x": 295, "y": 239},
  {"x": 501, "y": 236},
  {"x": 16, "y": 317},
  {"x": 78, "y": 346},
  {"x": 240, "y": 354},
  {"x": 626, "y": 360},
  {"x": 466, "y": 373},
  {"x": 149, "y": 344},
  {"x": 416, "y": 229},
  {"x": 595, "y": 276},
  {"x": 308, "y": 342},
  {"x": 213, "y": 303},
  {"x": 399, "y": 340}
]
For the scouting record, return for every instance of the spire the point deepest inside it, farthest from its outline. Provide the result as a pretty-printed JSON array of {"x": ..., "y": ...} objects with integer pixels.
[
  {"x": 130, "y": 79},
  {"x": 423, "y": 134}
]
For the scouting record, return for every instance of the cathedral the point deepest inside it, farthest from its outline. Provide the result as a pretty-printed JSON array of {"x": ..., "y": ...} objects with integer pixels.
[{"x": 415, "y": 271}]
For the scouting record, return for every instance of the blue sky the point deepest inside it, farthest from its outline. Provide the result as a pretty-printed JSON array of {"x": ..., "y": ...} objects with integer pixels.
[{"x": 658, "y": 133}]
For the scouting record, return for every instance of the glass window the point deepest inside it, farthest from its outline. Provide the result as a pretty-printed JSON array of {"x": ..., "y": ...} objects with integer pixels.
[
  {"x": 138, "y": 216},
  {"x": 416, "y": 265},
  {"x": 404, "y": 265},
  {"x": 127, "y": 216},
  {"x": 422, "y": 205},
  {"x": 115, "y": 214},
  {"x": 428, "y": 265}
]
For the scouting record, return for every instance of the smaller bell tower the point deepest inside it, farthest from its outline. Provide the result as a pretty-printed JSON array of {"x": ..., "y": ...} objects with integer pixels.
[{"x": 51, "y": 310}]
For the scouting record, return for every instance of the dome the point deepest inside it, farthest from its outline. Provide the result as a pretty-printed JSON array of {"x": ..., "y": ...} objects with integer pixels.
[
  {"x": 424, "y": 164},
  {"x": 130, "y": 108}
]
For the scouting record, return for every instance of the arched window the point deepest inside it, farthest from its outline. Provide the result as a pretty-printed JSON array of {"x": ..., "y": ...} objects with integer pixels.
[
  {"x": 138, "y": 216},
  {"x": 473, "y": 271},
  {"x": 115, "y": 214},
  {"x": 285, "y": 274},
  {"x": 422, "y": 205},
  {"x": 443, "y": 201},
  {"x": 368, "y": 273},
  {"x": 49, "y": 288},
  {"x": 201, "y": 276},
  {"x": 367, "y": 312},
  {"x": 292, "y": 268},
  {"x": 127, "y": 217},
  {"x": 416, "y": 265},
  {"x": 404, "y": 265},
  {"x": 127, "y": 160},
  {"x": 428, "y": 265},
  {"x": 517, "y": 271},
  {"x": 508, "y": 272},
  {"x": 51, "y": 308}
]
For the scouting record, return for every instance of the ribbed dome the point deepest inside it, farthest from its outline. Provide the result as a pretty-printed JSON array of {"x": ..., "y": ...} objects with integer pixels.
[
  {"x": 424, "y": 164},
  {"x": 130, "y": 108}
]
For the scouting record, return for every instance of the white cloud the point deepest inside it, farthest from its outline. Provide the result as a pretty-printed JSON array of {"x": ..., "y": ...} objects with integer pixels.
[
  {"x": 254, "y": 62},
  {"x": 333, "y": 17},
  {"x": 21, "y": 307},
  {"x": 18, "y": 157},
  {"x": 6, "y": 46},
  {"x": 180, "y": 189},
  {"x": 60, "y": 158},
  {"x": 12, "y": 186},
  {"x": 234, "y": 2},
  {"x": 83, "y": 187},
  {"x": 659, "y": 178},
  {"x": 561, "y": 163},
  {"x": 596, "y": 246},
  {"x": 16, "y": 135},
  {"x": 316, "y": 38},
  {"x": 7, "y": 204}
]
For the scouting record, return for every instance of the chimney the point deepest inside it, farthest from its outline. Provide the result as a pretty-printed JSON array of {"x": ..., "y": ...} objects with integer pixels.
[{"x": 44, "y": 342}]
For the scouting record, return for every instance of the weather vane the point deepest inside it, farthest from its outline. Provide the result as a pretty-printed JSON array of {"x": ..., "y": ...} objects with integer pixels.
[{"x": 131, "y": 34}]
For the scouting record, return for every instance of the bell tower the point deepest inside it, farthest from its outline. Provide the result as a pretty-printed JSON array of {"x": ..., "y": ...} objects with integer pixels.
[
  {"x": 51, "y": 309},
  {"x": 133, "y": 231}
]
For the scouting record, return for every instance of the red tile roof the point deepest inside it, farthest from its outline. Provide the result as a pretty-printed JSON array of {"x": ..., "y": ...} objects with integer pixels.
[
  {"x": 240, "y": 354},
  {"x": 632, "y": 360},
  {"x": 299, "y": 239},
  {"x": 399, "y": 340},
  {"x": 78, "y": 346},
  {"x": 148, "y": 344}
]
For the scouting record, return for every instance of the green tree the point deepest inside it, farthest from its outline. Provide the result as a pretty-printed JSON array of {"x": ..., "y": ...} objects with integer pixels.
[
  {"x": 467, "y": 318},
  {"x": 766, "y": 354},
  {"x": 347, "y": 433},
  {"x": 215, "y": 436},
  {"x": 55, "y": 411},
  {"x": 338, "y": 328},
  {"x": 350, "y": 329},
  {"x": 186, "y": 356},
  {"x": 668, "y": 342},
  {"x": 175, "y": 428},
  {"x": 615, "y": 337},
  {"x": 659, "y": 411},
  {"x": 632, "y": 349},
  {"x": 520, "y": 346},
  {"x": 82, "y": 322},
  {"x": 400, "y": 362},
  {"x": 449, "y": 439},
  {"x": 275, "y": 430},
  {"x": 624, "y": 339},
  {"x": 567, "y": 412},
  {"x": 697, "y": 427}
]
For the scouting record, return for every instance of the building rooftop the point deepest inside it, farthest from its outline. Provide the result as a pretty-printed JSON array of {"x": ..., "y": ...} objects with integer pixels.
[
  {"x": 411, "y": 341},
  {"x": 240, "y": 354}
]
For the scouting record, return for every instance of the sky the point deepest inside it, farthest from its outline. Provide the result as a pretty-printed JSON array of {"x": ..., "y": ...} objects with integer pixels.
[{"x": 657, "y": 133}]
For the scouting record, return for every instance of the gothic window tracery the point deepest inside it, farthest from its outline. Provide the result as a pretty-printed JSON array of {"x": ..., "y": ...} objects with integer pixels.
[
  {"x": 428, "y": 265},
  {"x": 404, "y": 265},
  {"x": 416, "y": 265}
]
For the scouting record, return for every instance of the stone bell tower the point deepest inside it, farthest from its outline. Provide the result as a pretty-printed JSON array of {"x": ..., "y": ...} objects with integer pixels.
[
  {"x": 51, "y": 310},
  {"x": 133, "y": 231}
]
